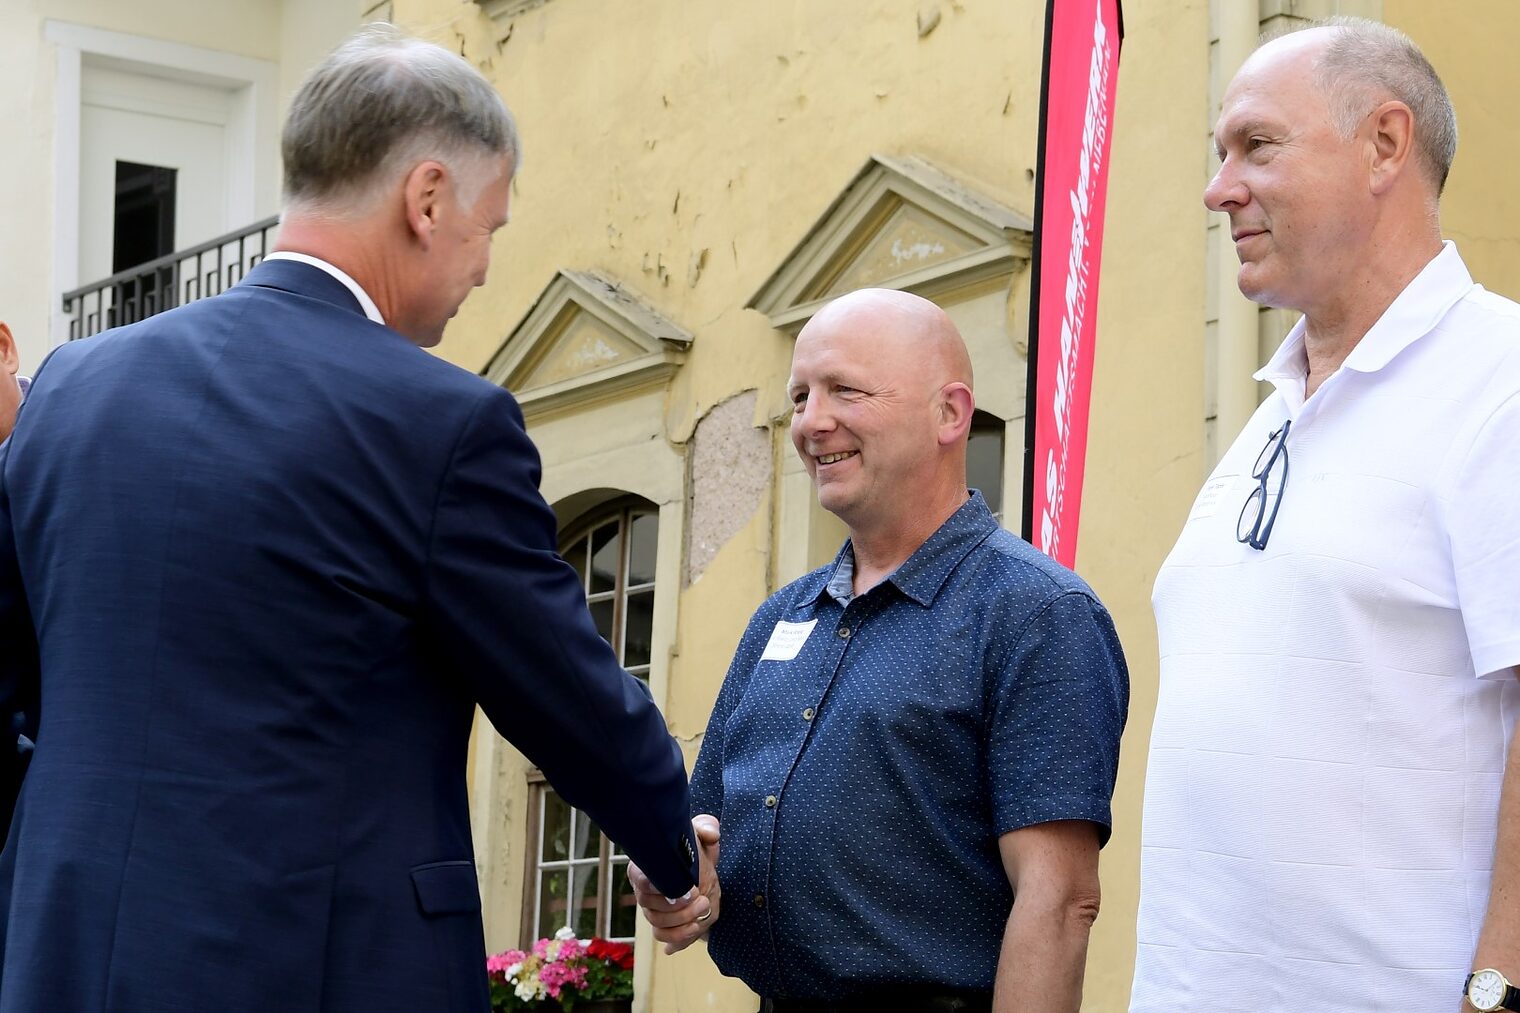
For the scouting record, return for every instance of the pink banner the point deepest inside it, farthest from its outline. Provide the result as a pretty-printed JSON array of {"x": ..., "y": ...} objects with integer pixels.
[{"x": 1076, "y": 119}]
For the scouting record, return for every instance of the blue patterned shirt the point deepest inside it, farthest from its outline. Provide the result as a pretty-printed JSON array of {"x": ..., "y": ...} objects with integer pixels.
[{"x": 863, "y": 760}]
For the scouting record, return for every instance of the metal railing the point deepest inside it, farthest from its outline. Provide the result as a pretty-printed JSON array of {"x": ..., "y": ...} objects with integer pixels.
[{"x": 183, "y": 276}]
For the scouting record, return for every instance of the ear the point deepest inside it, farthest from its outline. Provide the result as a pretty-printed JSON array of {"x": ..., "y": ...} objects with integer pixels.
[
  {"x": 1391, "y": 135},
  {"x": 423, "y": 194},
  {"x": 10, "y": 359},
  {"x": 956, "y": 406}
]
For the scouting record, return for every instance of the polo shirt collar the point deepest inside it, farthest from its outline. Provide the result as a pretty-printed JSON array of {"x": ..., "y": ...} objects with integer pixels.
[
  {"x": 1425, "y": 300},
  {"x": 921, "y": 576}
]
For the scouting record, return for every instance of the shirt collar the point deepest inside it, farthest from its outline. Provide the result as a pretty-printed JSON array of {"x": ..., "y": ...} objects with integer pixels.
[
  {"x": 922, "y": 574},
  {"x": 365, "y": 302},
  {"x": 25, "y": 385},
  {"x": 1415, "y": 313}
]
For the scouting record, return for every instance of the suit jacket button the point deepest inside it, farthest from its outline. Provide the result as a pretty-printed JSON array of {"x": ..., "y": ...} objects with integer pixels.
[
  {"x": 770, "y": 801},
  {"x": 759, "y": 900}
]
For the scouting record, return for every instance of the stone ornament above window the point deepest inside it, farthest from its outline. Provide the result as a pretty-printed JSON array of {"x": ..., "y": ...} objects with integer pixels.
[
  {"x": 901, "y": 223},
  {"x": 501, "y": 11},
  {"x": 586, "y": 338}
]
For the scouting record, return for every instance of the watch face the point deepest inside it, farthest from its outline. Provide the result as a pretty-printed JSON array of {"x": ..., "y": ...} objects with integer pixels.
[{"x": 1486, "y": 990}]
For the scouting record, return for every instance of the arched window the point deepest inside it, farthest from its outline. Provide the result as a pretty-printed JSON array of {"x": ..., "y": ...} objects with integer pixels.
[
  {"x": 614, "y": 552},
  {"x": 984, "y": 460},
  {"x": 577, "y": 876}
]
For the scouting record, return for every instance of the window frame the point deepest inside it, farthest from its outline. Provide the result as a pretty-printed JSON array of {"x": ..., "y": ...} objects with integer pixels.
[{"x": 985, "y": 423}]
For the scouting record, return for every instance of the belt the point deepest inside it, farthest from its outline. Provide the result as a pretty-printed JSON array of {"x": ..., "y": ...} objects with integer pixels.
[{"x": 887, "y": 1002}]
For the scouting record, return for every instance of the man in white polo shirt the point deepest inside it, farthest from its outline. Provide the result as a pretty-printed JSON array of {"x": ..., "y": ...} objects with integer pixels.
[{"x": 1327, "y": 809}]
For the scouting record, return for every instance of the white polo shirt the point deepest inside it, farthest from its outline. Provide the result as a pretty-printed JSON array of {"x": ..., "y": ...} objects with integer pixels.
[{"x": 1324, "y": 772}]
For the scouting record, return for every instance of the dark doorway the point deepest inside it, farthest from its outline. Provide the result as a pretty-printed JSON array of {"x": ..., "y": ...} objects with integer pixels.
[{"x": 144, "y": 225}]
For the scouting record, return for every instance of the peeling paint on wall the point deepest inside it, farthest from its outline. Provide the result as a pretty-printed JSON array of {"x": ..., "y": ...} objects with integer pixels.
[{"x": 730, "y": 475}]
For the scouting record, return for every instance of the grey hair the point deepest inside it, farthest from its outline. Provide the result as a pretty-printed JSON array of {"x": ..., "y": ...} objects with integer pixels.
[
  {"x": 1367, "y": 62},
  {"x": 379, "y": 104}
]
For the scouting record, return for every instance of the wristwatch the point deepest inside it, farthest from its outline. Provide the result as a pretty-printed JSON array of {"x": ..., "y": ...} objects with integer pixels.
[{"x": 1489, "y": 990}]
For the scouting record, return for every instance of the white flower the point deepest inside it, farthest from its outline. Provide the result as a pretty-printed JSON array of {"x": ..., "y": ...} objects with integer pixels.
[
  {"x": 514, "y": 970},
  {"x": 527, "y": 991},
  {"x": 565, "y": 932}
]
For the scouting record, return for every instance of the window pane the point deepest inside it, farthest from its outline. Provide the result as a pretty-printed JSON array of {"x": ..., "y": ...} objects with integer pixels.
[
  {"x": 583, "y": 900},
  {"x": 556, "y": 842},
  {"x": 551, "y": 904},
  {"x": 575, "y": 555},
  {"x": 624, "y": 908},
  {"x": 984, "y": 466},
  {"x": 643, "y": 538},
  {"x": 588, "y": 839},
  {"x": 638, "y": 626},
  {"x": 604, "y": 557},
  {"x": 601, "y": 614}
]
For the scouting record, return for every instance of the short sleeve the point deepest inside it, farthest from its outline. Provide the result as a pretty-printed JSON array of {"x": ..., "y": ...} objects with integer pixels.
[
  {"x": 1483, "y": 525},
  {"x": 1058, "y": 711}
]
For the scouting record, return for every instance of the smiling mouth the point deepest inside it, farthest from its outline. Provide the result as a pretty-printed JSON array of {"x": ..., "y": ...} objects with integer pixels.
[{"x": 836, "y": 458}]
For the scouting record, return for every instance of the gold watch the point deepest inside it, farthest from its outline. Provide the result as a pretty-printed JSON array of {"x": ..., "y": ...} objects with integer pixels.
[{"x": 1488, "y": 990}]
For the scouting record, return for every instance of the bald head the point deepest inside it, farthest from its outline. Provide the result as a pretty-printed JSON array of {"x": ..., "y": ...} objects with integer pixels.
[
  {"x": 907, "y": 331},
  {"x": 881, "y": 395}
]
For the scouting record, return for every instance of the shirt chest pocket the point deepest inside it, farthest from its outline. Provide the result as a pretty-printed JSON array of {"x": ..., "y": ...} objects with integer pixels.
[{"x": 1367, "y": 520}]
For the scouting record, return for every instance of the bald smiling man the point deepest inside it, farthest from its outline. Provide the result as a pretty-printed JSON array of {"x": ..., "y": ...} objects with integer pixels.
[{"x": 912, "y": 756}]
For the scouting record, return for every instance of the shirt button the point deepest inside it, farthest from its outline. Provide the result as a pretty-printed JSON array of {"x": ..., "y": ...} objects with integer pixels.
[
  {"x": 770, "y": 801},
  {"x": 759, "y": 900},
  {"x": 807, "y": 713},
  {"x": 844, "y": 633}
]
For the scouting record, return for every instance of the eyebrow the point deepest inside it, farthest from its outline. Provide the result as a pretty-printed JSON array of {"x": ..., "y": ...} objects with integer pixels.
[
  {"x": 1242, "y": 129},
  {"x": 831, "y": 377}
]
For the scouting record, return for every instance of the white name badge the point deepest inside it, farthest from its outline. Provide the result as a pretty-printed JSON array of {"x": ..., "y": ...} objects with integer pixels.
[
  {"x": 1207, "y": 503},
  {"x": 786, "y": 640}
]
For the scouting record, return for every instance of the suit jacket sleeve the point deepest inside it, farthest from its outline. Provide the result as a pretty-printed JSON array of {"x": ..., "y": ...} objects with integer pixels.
[
  {"x": 18, "y": 653},
  {"x": 510, "y": 616}
]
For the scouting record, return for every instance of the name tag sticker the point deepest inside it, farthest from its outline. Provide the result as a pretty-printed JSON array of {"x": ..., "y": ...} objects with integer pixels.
[
  {"x": 786, "y": 640},
  {"x": 1207, "y": 503}
]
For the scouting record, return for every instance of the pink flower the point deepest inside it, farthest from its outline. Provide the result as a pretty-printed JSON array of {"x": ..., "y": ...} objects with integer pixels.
[
  {"x": 556, "y": 976},
  {"x": 541, "y": 948},
  {"x": 570, "y": 949},
  {"x": 502, "y": 961}
]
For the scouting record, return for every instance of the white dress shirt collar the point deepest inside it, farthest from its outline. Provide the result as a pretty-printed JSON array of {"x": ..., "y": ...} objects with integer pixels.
[{"x": 365, "y": 302}]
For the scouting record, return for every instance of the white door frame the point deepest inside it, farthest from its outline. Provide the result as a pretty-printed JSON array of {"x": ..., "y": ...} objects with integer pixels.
[{"x": 251, "y": 129}]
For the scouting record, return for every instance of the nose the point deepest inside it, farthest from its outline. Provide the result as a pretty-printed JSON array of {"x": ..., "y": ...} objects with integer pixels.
[
  {"x": 1225, "y": 191},
  {"x": 814, "y": 419}
]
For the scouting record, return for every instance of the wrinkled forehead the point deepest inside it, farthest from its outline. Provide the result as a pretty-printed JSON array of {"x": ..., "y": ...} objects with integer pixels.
[
  {"x": 833, "y": 353},
  {"x": 1275, "y": 89}
]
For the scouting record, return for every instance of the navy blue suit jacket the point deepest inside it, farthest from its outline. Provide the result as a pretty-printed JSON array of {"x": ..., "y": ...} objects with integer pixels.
[{"x": 265, "y": 557}]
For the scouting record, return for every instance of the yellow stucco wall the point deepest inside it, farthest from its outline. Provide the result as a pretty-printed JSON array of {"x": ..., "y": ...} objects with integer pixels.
[{"x": 1471, "y": 46}]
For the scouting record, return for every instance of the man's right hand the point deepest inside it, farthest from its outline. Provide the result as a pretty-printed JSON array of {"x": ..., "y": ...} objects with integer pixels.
[{"x": 679, "y": 923}]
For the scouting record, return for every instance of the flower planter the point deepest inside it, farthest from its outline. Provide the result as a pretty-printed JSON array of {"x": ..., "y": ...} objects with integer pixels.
[{"x": 605, "y": 1006}]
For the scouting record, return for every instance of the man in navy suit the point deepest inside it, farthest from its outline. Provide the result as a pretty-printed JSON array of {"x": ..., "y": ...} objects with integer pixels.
[{"x": 264, "y": 555}]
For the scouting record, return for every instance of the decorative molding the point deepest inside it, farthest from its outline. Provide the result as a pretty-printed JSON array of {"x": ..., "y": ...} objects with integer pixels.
[
  {"x": 901, "y": 223},
  {"x": 585, "y": 339},
  {"x": 502, "y": 11}
]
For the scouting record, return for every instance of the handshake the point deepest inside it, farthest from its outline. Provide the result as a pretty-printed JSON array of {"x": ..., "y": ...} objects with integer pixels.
[{"x": 680, "y": 922}]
